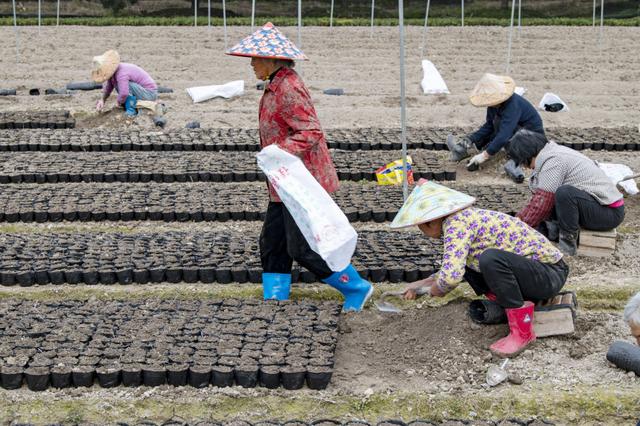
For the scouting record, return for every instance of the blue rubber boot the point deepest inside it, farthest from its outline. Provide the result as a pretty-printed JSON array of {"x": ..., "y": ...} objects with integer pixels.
[
  {"x": 354, "y": 288},
  {"x": 276, "y": 286},
  {"x": 130, "y": 106}
]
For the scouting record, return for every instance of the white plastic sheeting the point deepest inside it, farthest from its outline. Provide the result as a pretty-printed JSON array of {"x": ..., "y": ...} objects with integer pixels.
[
  {"x": 432, "y": 82},
  {"x": 227, "y": 91},
  {"x": 552, "y": 98},
  {"x": 520, "y": 90},
  {"x": 617, "y": 172}
]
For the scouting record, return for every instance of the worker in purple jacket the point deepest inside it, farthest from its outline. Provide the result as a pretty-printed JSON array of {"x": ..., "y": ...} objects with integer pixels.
[{"x": 132, "y": 83}]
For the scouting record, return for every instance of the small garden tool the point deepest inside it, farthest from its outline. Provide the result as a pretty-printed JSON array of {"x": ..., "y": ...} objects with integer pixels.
[{"x": 384, "y": 306}]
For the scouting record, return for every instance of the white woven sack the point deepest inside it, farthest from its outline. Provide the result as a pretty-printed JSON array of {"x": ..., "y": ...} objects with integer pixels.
[
  {"x": 323, "y": 224},
  {"x": 432, "y": 82}
]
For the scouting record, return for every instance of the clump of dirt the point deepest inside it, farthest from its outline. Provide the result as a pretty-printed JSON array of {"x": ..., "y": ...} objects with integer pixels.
[{"x": 441, "y": 349}]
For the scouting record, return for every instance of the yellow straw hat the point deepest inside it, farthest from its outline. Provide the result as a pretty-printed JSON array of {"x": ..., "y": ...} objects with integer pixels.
[
  {"x": 430, "y": 201},
  {"x": 492, "y": 90},
  {"x": 104, "y": 66}
]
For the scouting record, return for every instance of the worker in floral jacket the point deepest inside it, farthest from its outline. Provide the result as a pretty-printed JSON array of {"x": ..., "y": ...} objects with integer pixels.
[
  {"x": 288, "y": 119},
  {"x": 500, "y": 257}
]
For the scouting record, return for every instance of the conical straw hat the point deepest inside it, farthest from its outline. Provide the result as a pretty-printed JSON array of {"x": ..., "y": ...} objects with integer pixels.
[
  {"x": 105, "y": 66},
  {"x": 428, "y": 202},
  {"x": 267, "y": 42},
  {"x": 492, "y": 90}
]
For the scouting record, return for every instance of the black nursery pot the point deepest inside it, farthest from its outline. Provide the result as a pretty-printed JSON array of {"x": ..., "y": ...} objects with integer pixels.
[
  {"x": 177, "y": 374},
  {"x": 131, "y": 375},
  {"x": 270, "y": 377},
  {"x": 293, "y": 377},
  {"x": 222, "y": 376},
  {"x": 108, "y": 377},
  {"x": 199, "y": 376},
  {"x": 247, "y": 376},
  {"x": 61, "y": 377},
  {"x": 82, "y": 376},
  {"x": 11, "y": 377},
  {"x": 154, "y": 375},
  {"x": 37, "y": 378},
  {"x": 318, "y": 378}
]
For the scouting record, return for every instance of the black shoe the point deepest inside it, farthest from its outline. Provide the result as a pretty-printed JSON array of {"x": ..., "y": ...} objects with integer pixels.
[{"x": 568, "y": 243}]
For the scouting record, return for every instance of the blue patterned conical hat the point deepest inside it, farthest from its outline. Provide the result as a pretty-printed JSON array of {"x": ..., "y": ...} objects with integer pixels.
[
  {"x": 267, "y": 42},
  {"x": 428, "y": 202}
]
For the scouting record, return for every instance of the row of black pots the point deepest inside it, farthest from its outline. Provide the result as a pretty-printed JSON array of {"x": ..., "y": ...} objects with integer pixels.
[
  {"x": 199, "y": 376},
  {"x": 95, "y": 215}
]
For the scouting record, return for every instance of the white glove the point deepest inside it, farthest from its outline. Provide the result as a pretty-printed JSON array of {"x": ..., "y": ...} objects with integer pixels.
[
  {"x": 478, "y": 159},
  {"x": 100, "y": 105}
]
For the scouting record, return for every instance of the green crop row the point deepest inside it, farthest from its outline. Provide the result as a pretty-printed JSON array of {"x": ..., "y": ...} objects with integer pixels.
[{"x": 324, "y": 21}]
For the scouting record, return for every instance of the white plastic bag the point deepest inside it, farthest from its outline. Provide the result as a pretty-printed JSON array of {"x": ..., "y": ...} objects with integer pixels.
[
  {"x": 432, "y": 82},
  {"x": 520, "y": 90},
  {"x": 552, "y": 98},
  {"x": 227, "y": 90},
  {"x": 324, "y": 226},
  {"x": 617, "y": 172}
]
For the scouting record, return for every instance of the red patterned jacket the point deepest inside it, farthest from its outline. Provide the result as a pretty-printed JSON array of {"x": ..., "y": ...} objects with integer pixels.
[{"x": 287, "y": 118}]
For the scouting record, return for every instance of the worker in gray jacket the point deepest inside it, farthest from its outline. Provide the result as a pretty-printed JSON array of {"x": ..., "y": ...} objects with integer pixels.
[
  {"x": 567, "y": 186},
  {"x": 506, "y": 113}
]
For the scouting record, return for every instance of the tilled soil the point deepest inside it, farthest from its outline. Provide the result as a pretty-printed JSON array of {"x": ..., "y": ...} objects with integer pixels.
[
  {"x": 599, "y": 82},
  {"x": 441, "y": 350}
]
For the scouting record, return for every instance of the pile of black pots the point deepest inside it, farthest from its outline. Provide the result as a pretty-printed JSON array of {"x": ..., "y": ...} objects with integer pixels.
[
  {"x": 189, "y": 342},
  {"x": 37, "y": 120}
]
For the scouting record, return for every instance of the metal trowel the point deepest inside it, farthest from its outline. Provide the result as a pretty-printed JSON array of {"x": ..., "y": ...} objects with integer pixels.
[{"x": 384, "y": 306}]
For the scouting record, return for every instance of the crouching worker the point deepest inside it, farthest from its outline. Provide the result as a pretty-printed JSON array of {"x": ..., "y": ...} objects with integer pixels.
[
  {"x": 500, "y": 256},
  {"x": 135, "y": 87},
  {"x": 632, "y": 316},
  {"x": 568, "y": 187},
  {"x": 288, "y": 118},
  {"x": 506, "y": 113}
]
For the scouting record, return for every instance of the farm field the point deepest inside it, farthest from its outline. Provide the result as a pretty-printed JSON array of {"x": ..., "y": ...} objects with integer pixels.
[{"x": 115, "y": 234}]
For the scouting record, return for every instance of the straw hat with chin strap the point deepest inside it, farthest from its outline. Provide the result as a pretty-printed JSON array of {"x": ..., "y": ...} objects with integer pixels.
[
  {"x": 492, "y": 90},
  {"x": 104, "y": 66}
]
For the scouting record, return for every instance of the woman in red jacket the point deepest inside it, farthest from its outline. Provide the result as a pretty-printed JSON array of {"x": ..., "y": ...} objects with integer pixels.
[{"x": 287, "y": 118}]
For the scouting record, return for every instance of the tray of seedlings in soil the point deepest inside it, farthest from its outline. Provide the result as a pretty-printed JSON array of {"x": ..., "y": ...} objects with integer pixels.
[
  {"x": 179, "y": 256},
  {"x": 37, "y": 120},
  {"x": 431, "y": 138},
  {"x": 220, "y": 202},
  {"x": 154, "y": 342},
  {"x": 41, "y": 167}
]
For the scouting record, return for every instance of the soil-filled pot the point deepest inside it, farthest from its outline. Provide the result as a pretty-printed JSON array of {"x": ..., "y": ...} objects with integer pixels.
[
  {"x": 154, "y": 375},
  {"x": 270, "y": 376},
  {"x": 200, "y": 376},
  {"x": 37, "y": 378},
  {"x": 247, "y": 375},
  {"x": 293, "y": 377},
  {"x": 11, "y": 377},
  {"x": 61, "y": 377},
  {"x": 177, "y": 374},
  {"x": 131, "y": 375},
  {"x": 82, "y": 375},
  {"x": 222, "y": 376},
  {"x": 318, "y": 378},
  {"x": 108, "y": 377}
]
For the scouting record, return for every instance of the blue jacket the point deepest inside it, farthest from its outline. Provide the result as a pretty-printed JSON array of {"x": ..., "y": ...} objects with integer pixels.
[{"x": 514, "y": 113}]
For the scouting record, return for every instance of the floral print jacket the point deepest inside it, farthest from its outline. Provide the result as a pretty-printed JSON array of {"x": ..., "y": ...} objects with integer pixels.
[
  {"x": 287, "y": 118},
  {"x": 469, "y": 232}
]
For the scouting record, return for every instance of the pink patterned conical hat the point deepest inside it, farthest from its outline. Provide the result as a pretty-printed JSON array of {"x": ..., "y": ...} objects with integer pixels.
[{"x": 267, "y": 42}]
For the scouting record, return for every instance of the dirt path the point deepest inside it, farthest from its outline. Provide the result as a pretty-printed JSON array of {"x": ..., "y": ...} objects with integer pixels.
[{"x": 598, "y": 83}]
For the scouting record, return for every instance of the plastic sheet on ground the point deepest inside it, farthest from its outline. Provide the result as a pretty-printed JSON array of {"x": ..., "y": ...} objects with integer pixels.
[
  {"x": 551, "y": 98},
  {"x": 432, "y": 82},
  {"x": 617, "y": 172},
  {"x": 227, "y": 91}
]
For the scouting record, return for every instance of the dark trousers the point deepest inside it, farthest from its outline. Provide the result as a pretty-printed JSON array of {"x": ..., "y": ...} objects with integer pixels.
[
  {"x": 515, "y": 279},
  {"x": 575, "y": 208},
  {"x": 281, "y": 242}
]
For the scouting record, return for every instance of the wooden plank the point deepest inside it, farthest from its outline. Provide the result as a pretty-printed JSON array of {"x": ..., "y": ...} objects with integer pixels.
[
  {"x": 567, "y": 299},
  {"x": 598, "y": 239},
  {"x": 553, "y": 323},
  {"x": 594, "y": 251}
]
